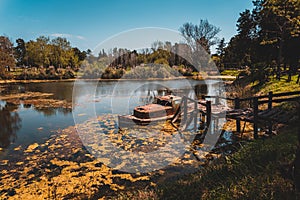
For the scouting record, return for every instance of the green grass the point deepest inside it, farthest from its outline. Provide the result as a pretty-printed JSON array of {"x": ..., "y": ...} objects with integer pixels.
[
  {"x": 260, "y": 170},
  {"x": 230, "y": 72},
  {"x": 281, "y": 85}
]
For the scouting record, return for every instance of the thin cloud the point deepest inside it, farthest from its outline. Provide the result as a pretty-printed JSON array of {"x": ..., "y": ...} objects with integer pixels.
[
  {"x": 80, "y": 37},
  {"x": 66, "y": 35}
]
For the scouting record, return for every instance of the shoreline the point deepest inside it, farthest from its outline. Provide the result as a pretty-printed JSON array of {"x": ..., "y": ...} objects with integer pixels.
[{"x": 224, "y": 78}]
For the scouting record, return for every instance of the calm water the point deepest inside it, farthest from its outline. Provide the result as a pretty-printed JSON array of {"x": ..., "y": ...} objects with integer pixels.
[{"x": 25, "y": 124}]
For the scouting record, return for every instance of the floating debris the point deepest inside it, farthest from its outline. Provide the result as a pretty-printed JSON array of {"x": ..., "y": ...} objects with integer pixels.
[
  {"x": 31, "y": 147},
  {"x": 18, "y": 148},
  {"x": 37, "y": 99}
]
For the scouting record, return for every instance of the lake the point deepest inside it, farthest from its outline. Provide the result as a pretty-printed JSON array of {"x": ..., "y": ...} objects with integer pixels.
[{"x": 26, "y": 124}]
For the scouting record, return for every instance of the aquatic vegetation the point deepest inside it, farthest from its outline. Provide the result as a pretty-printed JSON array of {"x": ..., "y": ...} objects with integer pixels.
[
  {"x": 61, "y": 167},
  {"x": 37, "y": 99}
]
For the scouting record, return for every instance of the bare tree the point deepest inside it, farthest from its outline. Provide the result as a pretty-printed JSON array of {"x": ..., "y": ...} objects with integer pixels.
[{"x": 199, "y": 36}]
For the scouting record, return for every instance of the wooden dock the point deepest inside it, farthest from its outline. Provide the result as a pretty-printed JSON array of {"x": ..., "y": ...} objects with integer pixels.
[{"x": 258, "y": 110}]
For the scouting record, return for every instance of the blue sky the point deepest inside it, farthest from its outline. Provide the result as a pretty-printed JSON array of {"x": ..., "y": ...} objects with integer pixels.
[{"x": 85, "y": 23}]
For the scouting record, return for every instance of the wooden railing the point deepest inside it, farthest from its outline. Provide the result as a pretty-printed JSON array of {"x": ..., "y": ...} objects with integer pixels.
[{"x": 269, "y": 99}]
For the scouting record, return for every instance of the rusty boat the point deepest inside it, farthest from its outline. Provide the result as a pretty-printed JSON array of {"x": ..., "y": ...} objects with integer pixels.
[{"x": 163, "y": 108}]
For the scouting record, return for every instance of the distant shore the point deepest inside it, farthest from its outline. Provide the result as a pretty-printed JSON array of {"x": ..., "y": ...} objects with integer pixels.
[{"x": 224, "y": 78}]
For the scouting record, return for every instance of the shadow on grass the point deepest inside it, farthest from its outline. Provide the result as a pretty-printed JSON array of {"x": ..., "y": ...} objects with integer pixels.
[{"x": 262, "y": 169}]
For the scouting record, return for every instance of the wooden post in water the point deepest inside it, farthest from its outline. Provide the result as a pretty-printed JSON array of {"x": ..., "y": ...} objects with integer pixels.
[
  {"x": 202, "y": 121},
  {"x": 270, "y": 125},
  {"x": 255, "y": 117},
  {"x": 185, "y": 108},
  {"x": 217, "y": 101},
  {"x": 208, "y": 113},
  {"x": 238, "y": 122},
  {"x": 195, "y": 115}
]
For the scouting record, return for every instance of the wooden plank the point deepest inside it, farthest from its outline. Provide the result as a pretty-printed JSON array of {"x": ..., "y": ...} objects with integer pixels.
[
  {"x": 220, "y": 97},
  {"x": 274, "y": 95},
  {"x": 280, "y": 100},
  {"x": 255, "y": 117},
  {"x": 286, "y": 94}
]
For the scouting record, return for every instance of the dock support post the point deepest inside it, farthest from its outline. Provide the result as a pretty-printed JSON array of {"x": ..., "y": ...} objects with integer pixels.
[
  {"x": 238, "y": 121},
  {"x": 202, "y": 121},
  {"x": 217, "y": 101},
  {"x": 185, "y": 110},
  {"x": 195, "y": 115},
  {"x": 208, "y": 113},
  {"x": 255, "y": 117}
]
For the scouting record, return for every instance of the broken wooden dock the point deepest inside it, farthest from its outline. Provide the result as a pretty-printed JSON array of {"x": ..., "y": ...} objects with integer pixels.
[{"x": 258, "y": 110}]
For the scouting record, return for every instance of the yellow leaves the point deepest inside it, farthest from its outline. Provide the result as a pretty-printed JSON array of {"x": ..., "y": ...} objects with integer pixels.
[
  {"x": 130, "y": 178},
  {"x": 18, "y": 148},
  {"x": 63, "y": 136},
  {"x": 47, "y": 170},
  {"x": 152, "y": 184},
  {"x": 3, "y": 162},
  {"x": 33, "y": 157},
  {"x": 31, "y": 148},
  {"x": 30, "y": 176},
  {"x": 55, "y": 161},
  {"x": 19, "y": 163},
  {"x": 186, "y": 156},
  {"x": 55, "y": 146}
]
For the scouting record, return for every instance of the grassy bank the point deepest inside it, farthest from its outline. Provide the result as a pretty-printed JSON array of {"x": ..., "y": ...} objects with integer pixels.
[
  {"x": 261, "y": 169},
  {"x": 277, "y": 86}
]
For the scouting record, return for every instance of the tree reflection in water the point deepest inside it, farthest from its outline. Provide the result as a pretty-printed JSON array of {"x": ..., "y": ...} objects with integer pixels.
[
  {"x": 10, "y": 123},
  {"x": 49, "y": 111}
]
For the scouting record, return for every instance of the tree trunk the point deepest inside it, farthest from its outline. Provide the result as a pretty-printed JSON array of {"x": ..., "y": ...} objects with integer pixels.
[
  {"x": 289, "y": 74},
  {"x": 279, "y": 57}
]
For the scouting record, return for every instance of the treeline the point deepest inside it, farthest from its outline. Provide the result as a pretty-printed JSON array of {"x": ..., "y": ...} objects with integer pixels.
[
  {"x": 268, "y": 40},
  {"x": 56, "y": 59},
  {"x": 150, "y": 62},
  {"x": 39, "y": 59}
]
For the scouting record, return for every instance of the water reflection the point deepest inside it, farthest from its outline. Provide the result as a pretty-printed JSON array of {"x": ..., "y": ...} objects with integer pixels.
[
  {"x": 10, "y": 123},
  {"x": 201, "y": 89},
  {"x": 49, "y": 111}
]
